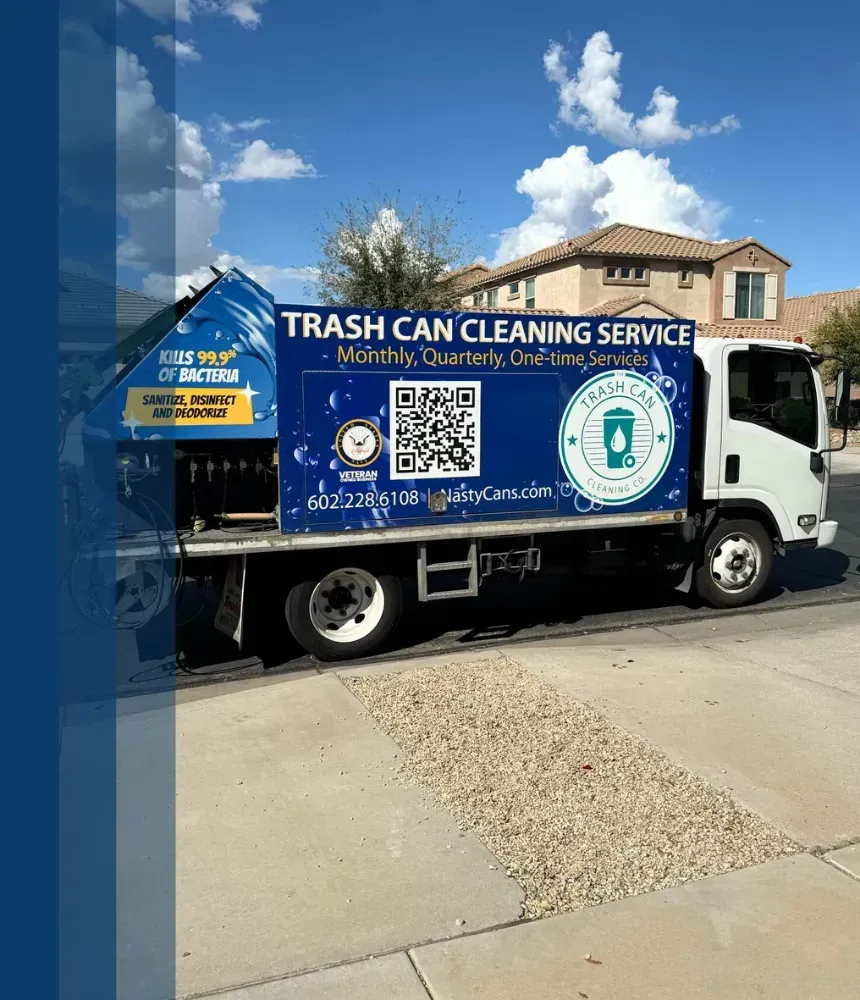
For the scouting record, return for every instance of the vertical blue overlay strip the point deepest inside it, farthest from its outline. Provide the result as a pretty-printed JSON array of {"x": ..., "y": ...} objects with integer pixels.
[{"x": 116, "y": 878}]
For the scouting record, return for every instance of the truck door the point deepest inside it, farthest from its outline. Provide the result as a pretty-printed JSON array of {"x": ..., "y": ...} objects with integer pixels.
[{"x": 773, "y": 418}]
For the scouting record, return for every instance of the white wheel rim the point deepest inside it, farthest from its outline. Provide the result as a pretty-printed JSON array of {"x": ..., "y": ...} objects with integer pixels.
[
  {"x": 347, "y": 605},
  {"x": 735, "y": 562}
]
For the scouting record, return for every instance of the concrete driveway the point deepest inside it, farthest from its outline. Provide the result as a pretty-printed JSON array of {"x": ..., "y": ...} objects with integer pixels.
[{"x": 298, "y": 855}]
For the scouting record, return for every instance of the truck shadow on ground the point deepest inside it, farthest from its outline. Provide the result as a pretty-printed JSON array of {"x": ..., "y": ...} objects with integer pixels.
[
  {"x": 505, "y": 611},
  {"x": 534, "y": 609}
]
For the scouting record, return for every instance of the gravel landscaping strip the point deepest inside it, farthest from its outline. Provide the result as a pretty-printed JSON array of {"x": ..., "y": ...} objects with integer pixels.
[{"x": 577, "y": 810}]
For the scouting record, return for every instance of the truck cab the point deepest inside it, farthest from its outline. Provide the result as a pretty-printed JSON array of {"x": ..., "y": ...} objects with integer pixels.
[{"x": 763, "y": 446}]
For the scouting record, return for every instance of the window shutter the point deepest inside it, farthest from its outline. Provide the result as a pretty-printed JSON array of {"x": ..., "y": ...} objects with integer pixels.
[
  {"x": 729, "y": 279},
  {"x": 771, "y": 284}
]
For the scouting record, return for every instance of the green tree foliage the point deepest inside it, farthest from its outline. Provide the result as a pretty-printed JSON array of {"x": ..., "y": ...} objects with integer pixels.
[
  {"x": 373, "y": 255},
  {"x": 839, "y": 334}
]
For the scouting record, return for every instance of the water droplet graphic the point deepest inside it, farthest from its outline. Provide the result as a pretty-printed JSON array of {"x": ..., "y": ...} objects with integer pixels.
[
  {"x": 322, "y": 487},
  {"x": 674, "y": 494},
  {"x": 313, "y": 460},
  {"x": 618, "y": 442},
  {"x": 334, "y": 400},
  {"x": 296, "y": 512},
  {"x": 219, "y": 335},
  {"x": 299, "y": 455},
  {"x": 383, "y": 411}
]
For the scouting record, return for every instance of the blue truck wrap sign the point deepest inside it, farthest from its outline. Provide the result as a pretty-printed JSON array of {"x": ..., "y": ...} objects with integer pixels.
[
  {"x": 213, "y": 375},
  {"x": 396, "y": 418},
  {"x": 381, "y": 413}
]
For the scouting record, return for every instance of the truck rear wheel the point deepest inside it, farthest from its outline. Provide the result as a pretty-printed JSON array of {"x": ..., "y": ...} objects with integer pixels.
[
  {"x": 345, "y": 612},
  {"x": 736, "y": 566}
]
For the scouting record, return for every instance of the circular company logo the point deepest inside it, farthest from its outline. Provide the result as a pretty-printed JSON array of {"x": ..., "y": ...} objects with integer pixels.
[
  {"x": 358, "y": 443},
  {"x": 616, "y": 437}
]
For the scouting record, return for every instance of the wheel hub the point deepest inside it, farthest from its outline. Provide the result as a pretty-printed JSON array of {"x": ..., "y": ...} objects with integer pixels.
[
  {"x": 346, "y": 605},
  {"x": 735, "y": 562}
]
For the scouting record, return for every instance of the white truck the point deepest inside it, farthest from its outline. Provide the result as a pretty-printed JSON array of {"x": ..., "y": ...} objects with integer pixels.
[{"x": 341, "y": 487}]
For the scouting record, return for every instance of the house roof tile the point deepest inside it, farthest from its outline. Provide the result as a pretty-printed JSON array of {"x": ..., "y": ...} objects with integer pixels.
[
  {"x": 750, "y": 331},
  {"x": 623, "y": 240},
  {"x": 613, "y": 307},
  {"x": 95, "y": 304},
  {"x": 802, "y": 313}
]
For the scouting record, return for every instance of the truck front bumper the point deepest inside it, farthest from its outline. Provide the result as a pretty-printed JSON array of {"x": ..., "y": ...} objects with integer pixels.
[{"x": 827, "y": 533}]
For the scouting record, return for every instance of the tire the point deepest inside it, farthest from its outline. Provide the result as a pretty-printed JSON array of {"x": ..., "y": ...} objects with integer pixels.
[
  {"x": 736, "y": 564},
  {"x": 344, "y": 612}
]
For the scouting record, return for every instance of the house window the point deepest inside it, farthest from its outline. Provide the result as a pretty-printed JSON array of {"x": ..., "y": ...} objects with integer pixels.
[
  {"x": 493, "y": 298},
  {"x": 530, "y": 293},
  {"x": 775, "y": 390},
  {"x": 625, "y": 273},
  {"x": 514, "y": 288},
  {"x": 685, "y": 277},
  {"x": 478, "y": 299},
  {"x": 749, "y": 295}
]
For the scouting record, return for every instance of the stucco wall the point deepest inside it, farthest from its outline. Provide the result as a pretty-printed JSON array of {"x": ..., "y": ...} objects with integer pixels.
[
  {"x": 556, "y": 287},
  {"x": 766, "y": 263},
  {"x": 691, "y": 303}
]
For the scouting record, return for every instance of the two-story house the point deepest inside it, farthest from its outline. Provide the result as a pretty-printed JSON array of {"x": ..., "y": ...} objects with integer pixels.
[{"x": 732, "y": 289}]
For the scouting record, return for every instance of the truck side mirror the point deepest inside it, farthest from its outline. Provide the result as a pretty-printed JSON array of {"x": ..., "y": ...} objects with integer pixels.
[{"x": 843, "y": 397}]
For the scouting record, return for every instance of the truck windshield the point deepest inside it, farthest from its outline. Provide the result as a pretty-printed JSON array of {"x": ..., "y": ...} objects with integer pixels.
[{"x": 775, "y": 389}]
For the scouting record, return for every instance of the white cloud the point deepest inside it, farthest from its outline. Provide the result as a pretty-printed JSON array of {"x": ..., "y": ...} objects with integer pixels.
[
  {"x": 273, "y": 278},
  {"x": 260, "y": 161},
  {"x": 166, "y": 188},
  {"x": 165, "y": 10},
  {"x": 571, "y": 194},
  {"x": 220, "y": 125},
  {"x": 246, "y": 12},
  {"x": 590, "y": 100},
  {"x": 183, "y": 51}
]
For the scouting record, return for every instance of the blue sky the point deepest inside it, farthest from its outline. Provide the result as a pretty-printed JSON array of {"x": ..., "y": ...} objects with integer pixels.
[{"x": 343, "y": 101}]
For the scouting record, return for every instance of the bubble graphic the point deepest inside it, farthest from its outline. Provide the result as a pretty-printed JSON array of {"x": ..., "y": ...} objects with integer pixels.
[
  {"x": 566, "y": 489},
  {"x": 674, "y": 494},
  {"x": 296, "y": 512},
  {"x": 583, "y": 504},
  {"x": 300, "y": 454},
  {"x": 597, "y": 505},
  {"x": 313, "y": 460},
  {"x": 334, "y": 400},
  {"x": 666, "y": 384}
]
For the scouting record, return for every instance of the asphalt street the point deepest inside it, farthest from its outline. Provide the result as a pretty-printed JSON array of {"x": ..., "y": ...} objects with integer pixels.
[{"x": 542, "y": 607}]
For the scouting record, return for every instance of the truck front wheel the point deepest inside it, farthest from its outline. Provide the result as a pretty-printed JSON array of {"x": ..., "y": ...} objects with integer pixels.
[
  {"x": 737, "y": 561},
  {"x": 345, "y": 612}
]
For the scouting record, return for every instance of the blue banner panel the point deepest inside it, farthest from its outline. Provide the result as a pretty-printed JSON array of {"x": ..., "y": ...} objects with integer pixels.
[
  {"x": 210, "y": 376},
  {"x": 392, "y": 417}
]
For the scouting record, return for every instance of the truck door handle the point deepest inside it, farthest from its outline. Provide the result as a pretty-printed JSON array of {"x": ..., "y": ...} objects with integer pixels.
[{"x": 733, "y": 468}]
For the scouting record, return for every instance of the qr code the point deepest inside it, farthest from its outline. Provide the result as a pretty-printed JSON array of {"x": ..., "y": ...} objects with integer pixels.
[{"x": 435, "y": 429}]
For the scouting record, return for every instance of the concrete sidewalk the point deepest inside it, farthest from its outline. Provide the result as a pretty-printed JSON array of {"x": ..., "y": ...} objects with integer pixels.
[{"x": 299, "y": 855}]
